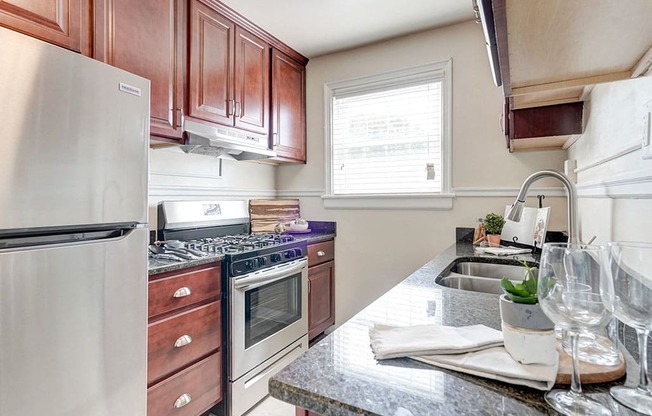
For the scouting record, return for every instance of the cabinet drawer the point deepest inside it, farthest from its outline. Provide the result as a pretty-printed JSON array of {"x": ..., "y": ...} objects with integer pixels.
[
  {"x": 176, "y": 341},
  {"x": 321, "y": 252},
  {"x": 183, "y": 289},
  {"x": 201, "y": 383}
]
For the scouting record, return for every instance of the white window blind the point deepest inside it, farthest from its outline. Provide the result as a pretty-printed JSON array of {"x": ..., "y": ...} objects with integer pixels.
[
  {"x": 388, "y": 133},
  {"x": 389, "y": 141}
]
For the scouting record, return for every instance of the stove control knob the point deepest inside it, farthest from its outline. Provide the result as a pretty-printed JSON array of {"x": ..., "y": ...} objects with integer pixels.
[
  {"x": 275, "y": 258},
  {"x": 248, "y": 264},
  {"x": 289, "y": 254},
  {"x": 261, "y": 261},
  {"x": 298, "y": 252}
]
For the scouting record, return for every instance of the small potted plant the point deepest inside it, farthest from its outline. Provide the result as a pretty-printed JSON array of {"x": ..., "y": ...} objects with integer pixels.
[
  {"x": 528, "y": 333},
  {"x": 493, "y": 226}
]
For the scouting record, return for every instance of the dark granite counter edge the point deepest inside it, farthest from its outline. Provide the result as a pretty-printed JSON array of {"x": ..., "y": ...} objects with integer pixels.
[{"x": 162, "y": 266}]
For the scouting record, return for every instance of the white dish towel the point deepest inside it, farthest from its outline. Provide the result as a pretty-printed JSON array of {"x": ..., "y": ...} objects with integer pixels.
[
  {"x": 502, "y": 251},
  {"x": 475, "y": 349}
]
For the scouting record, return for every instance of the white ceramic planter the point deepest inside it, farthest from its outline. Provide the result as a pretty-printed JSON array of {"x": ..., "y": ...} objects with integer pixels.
[
  {"x": 523, "y": 315},
  {"x": 529, "y": 346},
  {"x": 528, "y": 333}
]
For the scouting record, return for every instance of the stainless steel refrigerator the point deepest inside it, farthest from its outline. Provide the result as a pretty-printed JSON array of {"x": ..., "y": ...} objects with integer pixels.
[{"x": 73, "y": 233}]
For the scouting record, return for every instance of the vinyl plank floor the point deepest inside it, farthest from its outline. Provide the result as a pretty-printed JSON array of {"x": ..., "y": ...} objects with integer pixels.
[{"x": 272, "y": 407}]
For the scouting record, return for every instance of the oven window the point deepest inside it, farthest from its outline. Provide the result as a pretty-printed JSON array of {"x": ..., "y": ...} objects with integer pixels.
[{"x": 270, "y": 308}]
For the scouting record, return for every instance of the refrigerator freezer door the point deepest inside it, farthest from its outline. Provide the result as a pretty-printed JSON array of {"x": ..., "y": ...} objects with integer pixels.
[
  {"x": 75, "y": 137},
  {"x": 73, "y": 328}
]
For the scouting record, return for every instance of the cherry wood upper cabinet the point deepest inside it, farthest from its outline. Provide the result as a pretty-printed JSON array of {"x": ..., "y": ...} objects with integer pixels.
[
  {"x": 229, "y": 72},
  {"x": 288, "y": 108},
  {"x": 251, "y": 82},
  {"x": 146, "y": 37},
  {"x": 64, "y": 23},
  {"x": 211, "y": 65}
]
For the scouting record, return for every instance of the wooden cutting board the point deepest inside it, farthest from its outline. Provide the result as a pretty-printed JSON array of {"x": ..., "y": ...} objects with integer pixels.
[
  {"x": 266, "y": 213},
  {"x": 589, "y": 373}
]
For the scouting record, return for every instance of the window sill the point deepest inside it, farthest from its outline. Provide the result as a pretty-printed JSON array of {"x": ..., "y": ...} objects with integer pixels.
[{"x": 400, "y": 202}]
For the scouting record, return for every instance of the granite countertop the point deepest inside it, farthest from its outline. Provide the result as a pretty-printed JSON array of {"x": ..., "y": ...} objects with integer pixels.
[
  {"x": 156, "y": 266},
  {"x": 339, "y": 375}
]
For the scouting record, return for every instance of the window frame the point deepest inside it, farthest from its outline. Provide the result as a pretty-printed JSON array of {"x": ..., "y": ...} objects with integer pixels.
[{"x": 437, "y": 71}]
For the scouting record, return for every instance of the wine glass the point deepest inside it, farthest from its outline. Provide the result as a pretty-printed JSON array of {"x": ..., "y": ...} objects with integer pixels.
[
  {"x": 569, "y": 294},
  {"x": 631, "y": 273}
]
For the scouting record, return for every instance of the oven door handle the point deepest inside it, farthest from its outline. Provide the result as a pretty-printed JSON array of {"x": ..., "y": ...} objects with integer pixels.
[{"x": 262, "y": 278}]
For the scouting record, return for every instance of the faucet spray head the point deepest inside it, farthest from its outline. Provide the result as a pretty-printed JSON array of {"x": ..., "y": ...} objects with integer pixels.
[{"x": 515, "y": 211}]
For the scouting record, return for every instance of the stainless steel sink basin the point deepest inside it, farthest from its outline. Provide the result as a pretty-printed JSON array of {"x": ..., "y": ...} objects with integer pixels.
[{"x": 480, "y": 277}]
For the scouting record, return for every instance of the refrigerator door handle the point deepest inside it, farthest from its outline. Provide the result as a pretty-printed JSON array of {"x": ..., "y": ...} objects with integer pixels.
[{"x": 66, "y": 238}]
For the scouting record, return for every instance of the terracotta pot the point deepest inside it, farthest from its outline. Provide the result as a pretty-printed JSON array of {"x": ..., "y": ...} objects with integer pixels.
[{"x": 493, "y": 240}]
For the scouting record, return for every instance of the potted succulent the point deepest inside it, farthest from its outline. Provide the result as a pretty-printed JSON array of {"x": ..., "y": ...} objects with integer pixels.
[
  {"x": 493, "y": 226},
  {"x": 528, "y": 333}
]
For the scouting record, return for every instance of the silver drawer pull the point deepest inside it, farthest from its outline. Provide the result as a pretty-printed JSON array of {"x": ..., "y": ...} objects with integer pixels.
[
  {"x": 182, "y": 292},
  {"x": 182, "y": 341},
  {"x": 321, "y": 253},
  {"x": 183, "y": 400}
]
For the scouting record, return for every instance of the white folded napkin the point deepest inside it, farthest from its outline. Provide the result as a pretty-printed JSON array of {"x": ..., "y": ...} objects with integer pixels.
[
  {"x": 496, "y": 364},
  {"x": 475, "y": 349},
  {"x": 502, "y": 251},
  {"x": 393, "y": 342}
]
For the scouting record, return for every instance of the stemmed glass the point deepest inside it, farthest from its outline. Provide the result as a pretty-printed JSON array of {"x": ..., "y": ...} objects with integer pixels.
[
  {"x": 631, "y": 273},
  {"x": 569, "y": 294}
]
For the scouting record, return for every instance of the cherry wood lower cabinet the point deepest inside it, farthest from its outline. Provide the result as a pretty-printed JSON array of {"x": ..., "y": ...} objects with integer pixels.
[
  {"x": 189, "y": 392},
  {"x": 304, "y": 412},
  {"x": 64, "y": 23},
  {"x": 321, "y": 289},
  {"x": 184, "y": 351}
]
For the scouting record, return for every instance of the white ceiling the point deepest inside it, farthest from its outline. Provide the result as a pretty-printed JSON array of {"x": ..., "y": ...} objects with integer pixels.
[{"x": 319, "y": 27}]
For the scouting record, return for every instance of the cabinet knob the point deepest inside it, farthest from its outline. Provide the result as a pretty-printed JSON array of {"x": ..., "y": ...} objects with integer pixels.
[
  {"x": 230, "y": 104},
  {"x": 182, "y": 341},
  {"x": 182, "y": 292},
  {"x": 321, "y": 253},
  {"x": 238, "y": 109},
  {"x": 183, "y": 400}
]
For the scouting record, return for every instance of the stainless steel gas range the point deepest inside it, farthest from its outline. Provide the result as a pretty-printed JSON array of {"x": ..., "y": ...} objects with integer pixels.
[{"x": 265, "y": 288}]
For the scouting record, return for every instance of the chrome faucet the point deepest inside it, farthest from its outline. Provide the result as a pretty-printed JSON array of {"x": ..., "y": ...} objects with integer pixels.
[{"x": 516, "y": 210}]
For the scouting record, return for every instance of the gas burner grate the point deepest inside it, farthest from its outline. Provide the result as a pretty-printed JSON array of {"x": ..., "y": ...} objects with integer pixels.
[{"x": 239, "y": 243}]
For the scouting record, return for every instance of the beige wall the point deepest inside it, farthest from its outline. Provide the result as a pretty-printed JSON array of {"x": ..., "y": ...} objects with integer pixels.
[
  {"x": 375, "y": 249},
  {"x": 175, "y": 175},
  {"x": 615, "y": 195}
]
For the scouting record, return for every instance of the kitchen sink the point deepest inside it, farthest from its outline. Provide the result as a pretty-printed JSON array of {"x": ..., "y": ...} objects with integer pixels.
[{"x": 480, "y": 277}]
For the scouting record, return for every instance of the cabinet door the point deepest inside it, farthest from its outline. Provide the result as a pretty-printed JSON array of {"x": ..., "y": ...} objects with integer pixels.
[
  {"x": 62, "y": 22},
  {"x": 251, "y": 82},
  {"x": 288, "y": 107},
  {"x": 146, "y": 38},
  {"x": 321, "y": 298},
  {"x": 211, "y": 65},
  {"x": 303, "y": 412},
  {"x": 190, "y": 392}
]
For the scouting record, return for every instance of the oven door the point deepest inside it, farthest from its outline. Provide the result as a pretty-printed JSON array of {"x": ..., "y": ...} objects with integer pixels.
[{"x": 269, "y": 311}]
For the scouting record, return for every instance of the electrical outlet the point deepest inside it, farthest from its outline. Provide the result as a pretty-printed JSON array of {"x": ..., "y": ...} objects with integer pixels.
[{"x": 646, "y": 139}]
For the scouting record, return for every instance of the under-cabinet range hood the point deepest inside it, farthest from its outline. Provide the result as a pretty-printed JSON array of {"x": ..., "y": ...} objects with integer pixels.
[{"x": 224, "y": 143}]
